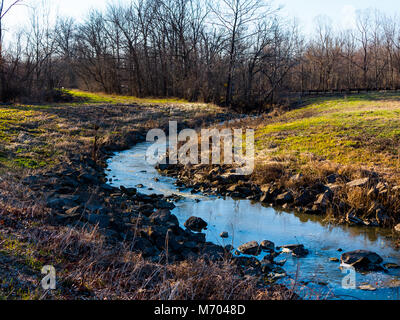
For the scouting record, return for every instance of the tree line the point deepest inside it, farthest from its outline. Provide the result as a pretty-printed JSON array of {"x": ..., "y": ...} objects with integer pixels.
[{"x": 235, "y": 53}]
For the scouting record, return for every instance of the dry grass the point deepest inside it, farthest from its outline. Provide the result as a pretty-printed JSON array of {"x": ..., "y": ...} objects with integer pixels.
[{"x": 90, "y": 268}]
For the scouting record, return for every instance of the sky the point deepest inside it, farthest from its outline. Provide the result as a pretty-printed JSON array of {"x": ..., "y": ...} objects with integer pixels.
[{"x": 340, "y": 12}]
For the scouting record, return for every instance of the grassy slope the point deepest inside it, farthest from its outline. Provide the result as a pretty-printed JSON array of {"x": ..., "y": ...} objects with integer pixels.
[
  {"x": 361, "y": 130},
  {"x": 32, "y": 136},
  {"x": 90, "y": 98}
]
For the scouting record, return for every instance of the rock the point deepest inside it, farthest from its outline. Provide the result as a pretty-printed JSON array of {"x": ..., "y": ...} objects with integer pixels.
[
  {"x": 243, "y": 191},
  {"x": 324, "y": 199},
  {"x": 163, "y": 204},
  {"x": 155, "y": 232},
  {"x": 267, "y": 245},
  {"x": 229, "y": 178},
  {"x": 195, "y": 224},
  {"x": 397, "y": 228},
  {"x": 379, "y": 213},
  {"x": 107, "y": 187},
  {"x": 162, "y": 167},
  {"x": 145, "y": 246},
  {"x": 224, "y": 235},
  {"x": 190, "y": 244},
  {"x": 351, "y": 218},
  {"x": 164, "y": 217},
  {"x": 362, "y": 260},
  {"x": 358, "y": 183},
  {"x": 247, "y": 262},
  {"x": 102, "y": 221},
  {"x": 284, "y": 198},
  {"x": 266, "y": 198},
  {"x": 367, "y": 287},
  {"x": 297, "y": 250},
  {"x": 30, "y": 180},
  {"x": 268, "y": 194},
  {"x": 391, "y": 266},
  {"x": 197, "y": 237},
  {"x": 129, "y": 191},
  {"x": 382, "y": 218},
  {"x": 332, "y": 178},
  {"x": 250, "y": 248},
  {"x": 213, "y": 251},
  {"x": 62, "y": 201},
  {"x": 146, "y": 209},
  {"x": 267, "y": 266},
  {"x": 280, "y": 263},
  {"x": 304, "y": 198},
  {"x": 88, "y": 178},
  {"x": 277, "y": 274}
]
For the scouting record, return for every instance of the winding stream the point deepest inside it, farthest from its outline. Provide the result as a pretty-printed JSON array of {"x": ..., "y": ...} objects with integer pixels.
[{"x": 246, "y": 221}]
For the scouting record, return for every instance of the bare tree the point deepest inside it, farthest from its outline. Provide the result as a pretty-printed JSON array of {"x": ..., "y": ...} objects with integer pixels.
[
  {"x": 4, "y": 10},
  {"x": 236, "y": 18}
]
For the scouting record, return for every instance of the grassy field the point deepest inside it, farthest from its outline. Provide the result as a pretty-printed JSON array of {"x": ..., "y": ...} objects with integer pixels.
[
  {"x": 360, "y": 130},
  {"x": 93, "y": 98},
  {"x": 36, "y": 136}
]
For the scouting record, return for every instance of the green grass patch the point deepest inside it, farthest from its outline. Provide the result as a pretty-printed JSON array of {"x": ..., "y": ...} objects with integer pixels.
[
  {"x": 361, "y": 129},
  {"x": 100, "y": 98}
]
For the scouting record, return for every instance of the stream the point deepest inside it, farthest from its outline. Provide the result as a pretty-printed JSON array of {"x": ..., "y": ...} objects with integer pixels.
[{"x": 315, "y": 276}]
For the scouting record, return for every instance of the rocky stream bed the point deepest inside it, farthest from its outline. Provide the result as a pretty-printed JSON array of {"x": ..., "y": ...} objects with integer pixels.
[{"x": 231, "y": 219}]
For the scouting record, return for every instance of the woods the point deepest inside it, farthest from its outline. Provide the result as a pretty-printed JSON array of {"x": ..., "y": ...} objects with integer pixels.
[{"x": 234, "y": 53}]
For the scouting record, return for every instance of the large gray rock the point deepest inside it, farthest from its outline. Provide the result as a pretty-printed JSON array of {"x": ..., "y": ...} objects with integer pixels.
[
  {"x": 267, "y": 245},
  {"x": 196, "y": 224},
  {"x": 250, "y": 248},
  {"x": 362, "y": 260}
]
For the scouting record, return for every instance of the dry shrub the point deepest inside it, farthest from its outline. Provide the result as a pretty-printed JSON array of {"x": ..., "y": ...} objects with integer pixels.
[
  {"x": 196, "y": 280},
  {"x": 269, "y": 172}
]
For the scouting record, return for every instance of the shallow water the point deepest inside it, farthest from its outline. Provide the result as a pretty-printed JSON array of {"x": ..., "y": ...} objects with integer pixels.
[{"x": 246, "y": 221}]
